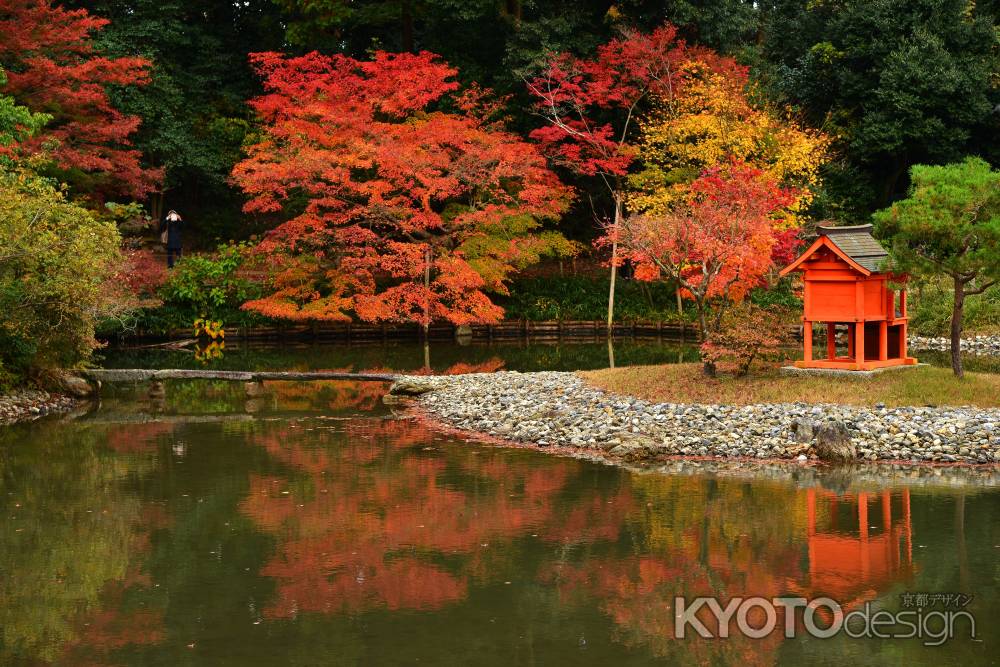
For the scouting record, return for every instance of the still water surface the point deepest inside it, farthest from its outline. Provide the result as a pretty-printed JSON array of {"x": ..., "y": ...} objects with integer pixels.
[
  {"x": 440, "y": 357},
  {"x": 445, "y": 357},
  {"x": 312, "y": 526}
]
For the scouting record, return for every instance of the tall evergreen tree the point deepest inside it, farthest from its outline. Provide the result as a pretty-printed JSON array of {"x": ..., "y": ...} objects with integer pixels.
[
  {"x": 898, "y": 82},
  {"x": 194, "y": 112}
]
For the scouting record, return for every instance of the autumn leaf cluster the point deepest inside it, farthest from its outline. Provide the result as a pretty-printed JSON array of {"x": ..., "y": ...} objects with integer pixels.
[{"x": 409, "y": 205}]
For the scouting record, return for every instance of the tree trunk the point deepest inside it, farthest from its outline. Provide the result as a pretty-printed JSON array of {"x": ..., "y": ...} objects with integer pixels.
[
  {"x": 895, "y": 171},
  {"x": 428, "y": 258},
  {"x": 702, "y": 323},
  {"x": 649, "y": 295},
  {"x": 406, "y": 26},
  {"x": 614, "y": 262},
  {"x": 956, "y": 328},
  {"x": 708, "y": 366},
  {"x": 156, "y": 203}
]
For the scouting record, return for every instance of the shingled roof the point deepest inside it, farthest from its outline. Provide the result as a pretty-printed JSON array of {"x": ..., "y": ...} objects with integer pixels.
[{"x": 857, "y": 243}]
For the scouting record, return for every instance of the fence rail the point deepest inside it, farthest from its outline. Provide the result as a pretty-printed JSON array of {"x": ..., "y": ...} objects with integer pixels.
[{"x": 575, "y": 330}]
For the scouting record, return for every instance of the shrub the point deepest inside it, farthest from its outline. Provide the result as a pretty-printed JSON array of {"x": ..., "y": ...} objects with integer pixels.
[
  {"x": 784, "y": 295},
  {"x": 746, "y": 334},
  {"x": 212, "y": 287},
  {"x": 144, "y": 273},
  {"x": 57, "y": 261},
  {"x": 586, "y": 298},
  {"x": 930, "y": 308}
]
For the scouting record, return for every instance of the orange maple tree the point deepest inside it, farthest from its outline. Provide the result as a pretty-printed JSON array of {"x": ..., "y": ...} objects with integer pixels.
[
  {"x": 718, "y": 244},
  {"x": 590, "y": 107},
  {"x": 52, "y": 66},
  {"x": 402, "y": 200}
]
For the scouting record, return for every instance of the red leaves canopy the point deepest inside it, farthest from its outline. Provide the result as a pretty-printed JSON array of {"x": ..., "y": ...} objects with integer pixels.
[
  {"x": 721, "y": 242},
  {"x": 52, "y": 67},
  {"x": 590, "y": 105},
  {"x": 383, "y": 187}
]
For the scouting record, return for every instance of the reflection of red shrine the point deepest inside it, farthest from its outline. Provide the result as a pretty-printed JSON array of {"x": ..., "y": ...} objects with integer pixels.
[
  {"x": 844, "y": 286},
  {"x": 853, "y": 568}
]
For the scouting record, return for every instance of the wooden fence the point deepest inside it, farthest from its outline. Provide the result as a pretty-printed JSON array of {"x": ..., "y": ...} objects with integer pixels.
[{"x": 570, "y": 330}]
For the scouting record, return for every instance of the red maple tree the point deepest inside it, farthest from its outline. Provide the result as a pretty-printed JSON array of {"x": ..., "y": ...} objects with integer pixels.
[
  {"x": 52, "y": 66},
  {"x": 399, "y": 209},
  {"x": 590, "y": 107},
  {"x": 718, "y": 245}
]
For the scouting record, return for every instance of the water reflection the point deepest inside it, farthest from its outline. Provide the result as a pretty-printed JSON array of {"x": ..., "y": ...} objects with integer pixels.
[
  {"x": 517, "y": 355},
  {"x": 852, "y": 563},
  {"x": 325, "y": 533},
  {"x": 439, "y": 357}
]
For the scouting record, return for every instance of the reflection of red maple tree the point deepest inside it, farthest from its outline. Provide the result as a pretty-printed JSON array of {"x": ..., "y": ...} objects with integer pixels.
[
  {"x": 114, "y": 624},
  {"x": 488, "y": 366},
  {"x": 113, "y": 627},
  {"x": 333, "y": 395},
  {"x": 137, "y": 438},
  {"x": 375, "y": 517},
  {"x": 380, "y": 514},
  {"x": 345, "y": 395}
]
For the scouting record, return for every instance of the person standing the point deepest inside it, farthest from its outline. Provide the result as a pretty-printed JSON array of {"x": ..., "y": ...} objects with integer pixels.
[{"x": 170, "y": 234}]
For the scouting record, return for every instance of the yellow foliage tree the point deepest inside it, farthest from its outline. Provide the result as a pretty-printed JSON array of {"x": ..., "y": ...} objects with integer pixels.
[{"x": 714, "y": 122}]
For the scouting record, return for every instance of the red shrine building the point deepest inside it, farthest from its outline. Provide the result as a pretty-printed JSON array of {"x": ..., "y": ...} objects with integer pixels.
[{"x": 844, "y": 288}]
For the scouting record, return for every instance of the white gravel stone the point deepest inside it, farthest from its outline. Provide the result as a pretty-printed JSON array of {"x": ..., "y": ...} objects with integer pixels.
[
  {"x": 986, "y": 346},
  {"x": 28, "y": 404}
]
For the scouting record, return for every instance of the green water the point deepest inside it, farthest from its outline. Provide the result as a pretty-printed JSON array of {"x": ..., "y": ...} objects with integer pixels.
[
  {"x": 519, "y": 355},
  {"x": 444, "y": 357},
  {"x": 311, "y": 525}
]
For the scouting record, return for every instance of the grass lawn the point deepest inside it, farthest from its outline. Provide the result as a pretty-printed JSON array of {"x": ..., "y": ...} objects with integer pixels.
[{"x": 685, "y": 383}]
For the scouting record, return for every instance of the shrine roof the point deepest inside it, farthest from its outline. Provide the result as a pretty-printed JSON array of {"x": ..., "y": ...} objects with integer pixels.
[{"x": 857, "y": 243}]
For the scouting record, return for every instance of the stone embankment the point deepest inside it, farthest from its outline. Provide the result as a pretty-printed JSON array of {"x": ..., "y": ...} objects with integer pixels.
[
  {"x": 70, "y": 389},
  {"x": 28, "y": 404},
  {"x": 987, "y": 346},
  {"x": 560, "y": 410}
]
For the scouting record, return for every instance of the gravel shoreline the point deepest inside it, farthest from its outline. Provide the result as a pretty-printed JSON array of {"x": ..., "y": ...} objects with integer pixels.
[
  {"x": 560, "y": 410},
  {"x": 985, "y": 346},
  {"x": 28, "y": 404}
]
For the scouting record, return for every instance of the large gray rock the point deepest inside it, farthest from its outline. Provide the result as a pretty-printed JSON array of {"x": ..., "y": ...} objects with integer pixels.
[
  {"x": 833, "y": 442},
  {"x": 414, "y": 386},
  {"x": 804, "y": 429},
  {"x": 74, "y": 385},
  {"x": 463, "y": 334},
  {"x": 253, "y": 389}
]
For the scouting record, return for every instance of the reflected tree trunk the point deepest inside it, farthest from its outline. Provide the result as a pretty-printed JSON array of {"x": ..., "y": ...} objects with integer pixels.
[{"x": 963, "y": 555}]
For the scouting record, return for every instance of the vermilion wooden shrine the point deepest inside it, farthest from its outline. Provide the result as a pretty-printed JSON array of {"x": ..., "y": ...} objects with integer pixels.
[{"x": 844, "y": 287}]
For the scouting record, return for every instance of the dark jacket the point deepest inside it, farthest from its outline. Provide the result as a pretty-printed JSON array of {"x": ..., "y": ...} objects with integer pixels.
[{"x": 173, "y": 229}]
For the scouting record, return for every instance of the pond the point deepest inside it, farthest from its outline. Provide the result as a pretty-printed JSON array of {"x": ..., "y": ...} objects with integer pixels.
[
  {"x": 443, "y": 357},
  {"x": 311, "y": 525}
]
